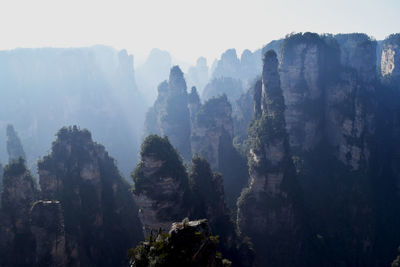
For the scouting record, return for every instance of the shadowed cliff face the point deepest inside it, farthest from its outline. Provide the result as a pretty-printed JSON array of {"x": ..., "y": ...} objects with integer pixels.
[
  {"x": 268, "y": 208},
  {"x": 98, "y": 208},
  {"x": 47, "y": 227},
  {"x": 18, "y": 193}
]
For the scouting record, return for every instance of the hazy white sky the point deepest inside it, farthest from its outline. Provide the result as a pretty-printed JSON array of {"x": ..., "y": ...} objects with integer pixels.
[{"x": 186, "y": 28}]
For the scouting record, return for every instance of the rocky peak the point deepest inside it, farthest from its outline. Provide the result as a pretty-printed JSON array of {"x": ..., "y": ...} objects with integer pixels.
[
  {"x": 19, "y": 191},
  {"x": 176, "y": 80},
  {"x": 266, "y": 209},
  {"x": 125, "y": 71},
  {"x": 14, "y": 145},
  {"x": 170, "y": 114},
  {"x": 228, "y": 65},
  {"x": 198, "y": 75},
  {"x": 272, "y": 98}
]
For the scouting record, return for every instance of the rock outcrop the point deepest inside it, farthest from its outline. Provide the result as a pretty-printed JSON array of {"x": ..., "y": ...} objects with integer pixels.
[
  {"x": 188, "y": 243},
  {"x": 268, "y": 210},
  {"x": 14, "y": 145},
  {"x": 99, "y": 212}
]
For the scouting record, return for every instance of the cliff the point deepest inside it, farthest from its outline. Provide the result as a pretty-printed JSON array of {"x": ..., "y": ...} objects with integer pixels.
[{"x": 268, "y": 210}]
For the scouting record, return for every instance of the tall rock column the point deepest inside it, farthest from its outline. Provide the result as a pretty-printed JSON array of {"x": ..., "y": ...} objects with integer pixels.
[
  {"x": 170, "y": 114},
  {"x": 161, "y": 184},
  {"x": 267, "y": 208}
]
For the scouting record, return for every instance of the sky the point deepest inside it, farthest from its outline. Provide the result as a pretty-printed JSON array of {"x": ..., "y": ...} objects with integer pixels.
[{"x": 186, "y": 28}]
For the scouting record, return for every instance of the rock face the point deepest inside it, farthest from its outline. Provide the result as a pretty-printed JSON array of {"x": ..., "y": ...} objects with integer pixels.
[
  {"x": 301, "y": 78},
  {"x": 47, "y": 227},
  {"x": 327, "y": 83},
  {"x": 188, "y": 243},
  {"x": 390, "y": 57},
  {"x": 170, "y": 114},
  {"x": 161, "y": 183},
  {"x": 350, "y": 100},
  {"x": 212, "y": 123},
  {"x": 267, "y": 210},
  {"x": 212, "y": 134},
  {"x": 14, "y": 145},
  {"x": 98, "y": 209}
]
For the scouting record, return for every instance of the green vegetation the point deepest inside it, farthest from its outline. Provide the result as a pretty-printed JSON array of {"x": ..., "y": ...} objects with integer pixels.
[{"x": 188, "y": 244}]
